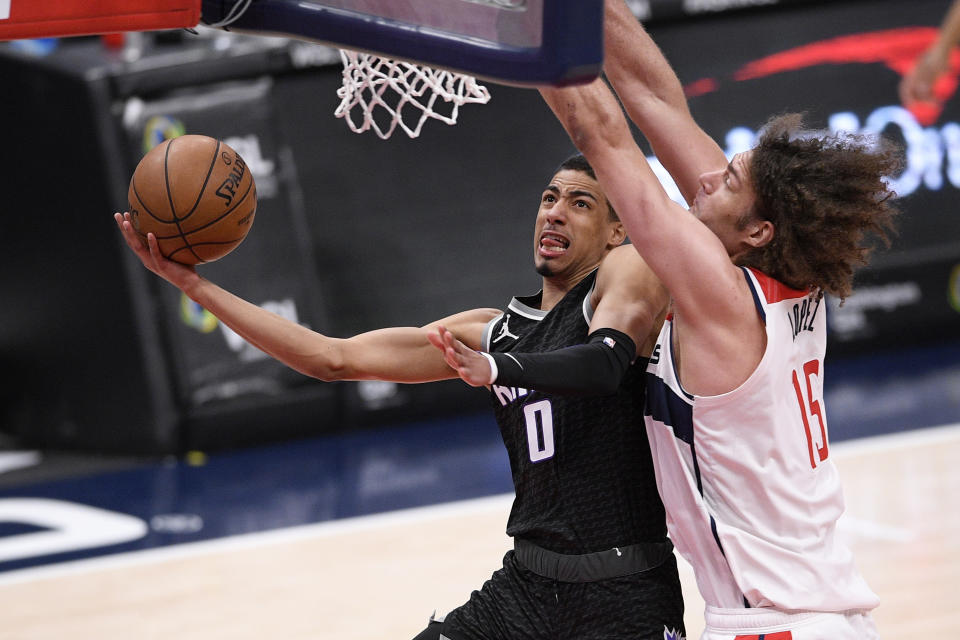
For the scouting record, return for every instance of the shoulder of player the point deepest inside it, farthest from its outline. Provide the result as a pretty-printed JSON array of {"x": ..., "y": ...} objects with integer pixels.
[
  {"x": 624, "y": 268},
  {"x": 724, "y": 302},
  {"x": 623, "y": 257}
]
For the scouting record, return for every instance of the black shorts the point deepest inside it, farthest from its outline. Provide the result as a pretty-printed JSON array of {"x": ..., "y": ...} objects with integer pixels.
[{"x": 517, "y": 604}]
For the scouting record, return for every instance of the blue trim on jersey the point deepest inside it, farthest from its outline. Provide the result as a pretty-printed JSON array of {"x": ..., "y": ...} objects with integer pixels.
[
  {"x": 664, "y": 405},
  {"x": 696, "y": 472},
  {"x": 669, "y": 408},
  {"x": 673, "y": 362},
  {"x": 756, "y": 295},
  {"x": 716, "y": 536}
]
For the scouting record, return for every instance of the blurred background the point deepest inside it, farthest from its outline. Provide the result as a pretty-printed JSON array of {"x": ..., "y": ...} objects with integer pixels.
[{"x": 354, "y": 233}]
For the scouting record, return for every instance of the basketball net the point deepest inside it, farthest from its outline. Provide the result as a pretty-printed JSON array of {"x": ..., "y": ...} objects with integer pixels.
[{"x": 400, "y": 94}]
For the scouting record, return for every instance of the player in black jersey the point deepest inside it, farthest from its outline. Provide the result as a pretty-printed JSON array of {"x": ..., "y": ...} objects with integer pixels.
[
  {"x": 591, "y": 559},
  {"x": 591, "y": 556}
]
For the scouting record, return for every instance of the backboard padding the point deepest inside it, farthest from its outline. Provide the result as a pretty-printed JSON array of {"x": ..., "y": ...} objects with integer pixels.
[{"x": 523, "y": 42}]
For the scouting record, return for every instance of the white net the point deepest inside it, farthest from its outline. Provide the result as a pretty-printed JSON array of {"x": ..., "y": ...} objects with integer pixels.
[{"x": 382, "y": 94}]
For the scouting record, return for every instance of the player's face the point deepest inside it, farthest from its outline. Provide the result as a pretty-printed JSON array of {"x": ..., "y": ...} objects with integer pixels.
[
  {"x": 574, "y": 229},
  {"x": 724, "y": 198}
]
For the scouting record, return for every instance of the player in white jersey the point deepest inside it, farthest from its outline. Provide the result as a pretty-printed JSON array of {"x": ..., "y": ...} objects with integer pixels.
[
  {"x": 735, "y": 412},
  {"x": 749, "y": 456}
]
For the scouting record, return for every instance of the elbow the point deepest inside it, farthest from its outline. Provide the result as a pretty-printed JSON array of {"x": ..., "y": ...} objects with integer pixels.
[
  {"x": 324, "y": 374},
  {"x": 581, "y": 128},
  {"x": 321, "y": 372},
  {"x": 327, "y": 366},
  {"x": 592, "y": 139},
  {"x": 585, "y": 140},
  {"x": 329, "y": 373},
  {"x": 591, "y": 115},
  {"x": 605, "y": 131}
]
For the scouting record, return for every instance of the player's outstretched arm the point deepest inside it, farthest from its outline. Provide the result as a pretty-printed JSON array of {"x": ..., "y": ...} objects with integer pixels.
[
  {"x": 917, "y": 84},
  {"x": 653, "y": 97},
  {"x": 399, "y": 354},
  {"x": 675, "y": 245},
  {"x": 593, "y": 368},
  {"x": 684, "y": 254},
  {"x": 629, "y": 303}
]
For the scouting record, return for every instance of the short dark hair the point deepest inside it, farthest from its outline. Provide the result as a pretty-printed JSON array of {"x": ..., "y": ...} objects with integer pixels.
[
  {"x": 577, "y": 162},
  {"x": 824, "y": 194}
]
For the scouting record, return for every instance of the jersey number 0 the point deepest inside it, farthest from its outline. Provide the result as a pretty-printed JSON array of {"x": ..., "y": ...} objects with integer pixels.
[{"x": 539, "y": 419}]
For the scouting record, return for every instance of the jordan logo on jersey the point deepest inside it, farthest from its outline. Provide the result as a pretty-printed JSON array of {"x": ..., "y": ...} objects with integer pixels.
[{"x": 505, "y": 331}]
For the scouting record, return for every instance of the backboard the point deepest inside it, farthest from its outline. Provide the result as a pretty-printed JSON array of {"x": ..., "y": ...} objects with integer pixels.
[{"x": 522, "y": 42}]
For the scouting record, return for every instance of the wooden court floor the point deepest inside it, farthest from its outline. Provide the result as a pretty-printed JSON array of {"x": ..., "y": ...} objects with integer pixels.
[{"x": 380, "y": 577}]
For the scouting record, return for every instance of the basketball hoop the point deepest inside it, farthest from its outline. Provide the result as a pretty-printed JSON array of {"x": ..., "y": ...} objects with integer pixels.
[{"x": 400, "y": 93}]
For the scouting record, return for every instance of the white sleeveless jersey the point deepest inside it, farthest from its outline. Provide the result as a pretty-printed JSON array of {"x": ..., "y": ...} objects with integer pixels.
[{"x": 751, "y": 494}]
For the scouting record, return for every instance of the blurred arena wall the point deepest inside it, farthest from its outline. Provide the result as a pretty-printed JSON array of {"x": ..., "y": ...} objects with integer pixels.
[{"x": 354, "y": 233}]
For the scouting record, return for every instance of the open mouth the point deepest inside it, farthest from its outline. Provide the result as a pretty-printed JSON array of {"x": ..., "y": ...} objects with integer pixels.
[
  {"x": 695, "y": 205},
  {"x": 553, "y": 244}
]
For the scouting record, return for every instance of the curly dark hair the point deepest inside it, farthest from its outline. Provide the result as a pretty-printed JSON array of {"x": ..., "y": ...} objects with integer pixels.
[{"x": 827, "y": 200}]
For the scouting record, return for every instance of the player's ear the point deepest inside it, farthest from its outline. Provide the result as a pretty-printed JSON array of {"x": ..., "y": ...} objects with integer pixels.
[
  {"x": 617, "y": 234},
  {"x": 760, "y": 233}
]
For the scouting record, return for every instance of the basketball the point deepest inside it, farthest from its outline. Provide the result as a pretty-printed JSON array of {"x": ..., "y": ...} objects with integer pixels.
[{"x": 196, "y": 195}]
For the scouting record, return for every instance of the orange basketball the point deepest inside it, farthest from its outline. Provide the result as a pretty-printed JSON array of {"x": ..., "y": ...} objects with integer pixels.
[{"x": 196, "y": 195}]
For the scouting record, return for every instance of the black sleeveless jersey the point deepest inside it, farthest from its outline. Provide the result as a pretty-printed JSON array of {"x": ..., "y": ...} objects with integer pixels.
[{"x": 581, "y": 465}]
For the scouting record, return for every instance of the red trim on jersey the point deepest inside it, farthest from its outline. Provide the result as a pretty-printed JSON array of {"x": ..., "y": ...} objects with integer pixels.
[
  {"x": 774, "y": 290},
  {"x": 780, "y": 635}
]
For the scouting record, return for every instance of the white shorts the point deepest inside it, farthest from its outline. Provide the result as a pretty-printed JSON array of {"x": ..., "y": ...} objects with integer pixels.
[{"x": 767, "y": 624}]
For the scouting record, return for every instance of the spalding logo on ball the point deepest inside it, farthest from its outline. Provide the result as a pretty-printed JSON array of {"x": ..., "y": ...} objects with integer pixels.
[{"x": 196, "y": 195}]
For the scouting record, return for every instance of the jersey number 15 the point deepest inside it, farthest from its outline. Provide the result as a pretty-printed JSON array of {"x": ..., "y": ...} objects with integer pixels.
[{"x": 809, "y": 408}]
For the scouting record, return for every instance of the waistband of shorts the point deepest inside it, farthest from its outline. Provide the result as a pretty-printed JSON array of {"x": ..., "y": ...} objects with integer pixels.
[
  {"x": 592, "y": 567},
  {"x": 758, "y": 618}
]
